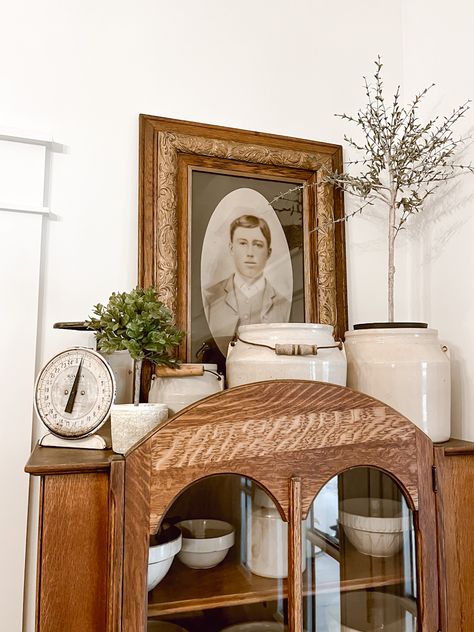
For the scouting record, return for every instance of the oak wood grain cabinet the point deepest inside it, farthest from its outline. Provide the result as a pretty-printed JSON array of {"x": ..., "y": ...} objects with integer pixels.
[{"x": 304, "y": 450}]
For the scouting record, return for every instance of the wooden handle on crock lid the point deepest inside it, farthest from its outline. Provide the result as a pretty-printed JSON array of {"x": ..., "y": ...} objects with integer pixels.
[{"x": 185, "y": 370}]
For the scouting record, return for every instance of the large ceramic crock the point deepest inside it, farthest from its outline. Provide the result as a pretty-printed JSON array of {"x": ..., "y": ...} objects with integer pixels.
[
  {"x": 303, "y": 351},
  {"x": 406, "y": 368}
]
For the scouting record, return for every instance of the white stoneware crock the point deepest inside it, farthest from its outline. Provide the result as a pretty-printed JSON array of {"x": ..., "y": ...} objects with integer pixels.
[
  {"x": 256, "y": 355},
  {"x": 267, "y": 539},
  {"x": 406, "y": 368},
  {"x": 179, "y": 392}
]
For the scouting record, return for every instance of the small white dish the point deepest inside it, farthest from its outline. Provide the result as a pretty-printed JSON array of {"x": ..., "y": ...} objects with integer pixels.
[
  {"x": 257, "y": 626},
  {"x": 164, "y": 626},
  {"x": 368, "y": 611},
  {"x": 206, "y": 542},
  {"x": 161, "y": 554},
  {"x": 375, "y": 526}
]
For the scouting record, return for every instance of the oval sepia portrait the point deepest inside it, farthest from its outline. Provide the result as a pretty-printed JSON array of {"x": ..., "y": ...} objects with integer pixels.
[{"x": 246, "y": 271}]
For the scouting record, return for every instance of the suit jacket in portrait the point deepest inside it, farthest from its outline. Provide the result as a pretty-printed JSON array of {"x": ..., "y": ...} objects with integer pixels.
[{"x": 222, "y": 312}]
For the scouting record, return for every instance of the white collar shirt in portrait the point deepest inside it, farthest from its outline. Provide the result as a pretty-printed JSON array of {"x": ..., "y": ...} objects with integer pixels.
[{"x": 249, "y": 289}]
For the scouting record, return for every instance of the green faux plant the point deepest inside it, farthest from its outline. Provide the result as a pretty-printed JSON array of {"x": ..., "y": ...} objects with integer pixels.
[{"x": 140, "y": 323}]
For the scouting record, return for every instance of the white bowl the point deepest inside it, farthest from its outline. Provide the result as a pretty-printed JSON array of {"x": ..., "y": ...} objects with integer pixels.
[
  {"x": 205, "y": 542},
  {"x": 366, "y": 611},
  {"x": 257, "y": 626},
  {"x": 374, "y": 526},
  {"x": 161, "y": 554},
  {"x": 163, "y": 626}
]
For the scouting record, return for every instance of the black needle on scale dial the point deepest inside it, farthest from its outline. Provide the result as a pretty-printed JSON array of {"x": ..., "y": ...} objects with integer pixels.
[{"x": 73, "y": 393}]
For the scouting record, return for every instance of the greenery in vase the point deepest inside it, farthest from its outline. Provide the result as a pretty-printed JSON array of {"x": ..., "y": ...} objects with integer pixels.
[{"x": 138, "y": 322}]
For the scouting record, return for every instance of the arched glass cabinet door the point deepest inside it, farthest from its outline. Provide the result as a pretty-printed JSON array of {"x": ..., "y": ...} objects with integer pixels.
[
  {"x": 360, "y": 557},
  {"x": 219, "y": 561}
]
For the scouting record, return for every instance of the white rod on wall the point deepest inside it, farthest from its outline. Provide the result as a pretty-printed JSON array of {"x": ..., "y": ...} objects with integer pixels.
[
  {"x": 23, "y": 208},
  {"x": 25, "y": 136}
]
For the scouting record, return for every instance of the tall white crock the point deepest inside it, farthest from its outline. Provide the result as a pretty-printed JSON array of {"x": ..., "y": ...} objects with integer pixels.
[
  {"x": 267, "y": 539},
  {"x": 406, "y": 368},
  {"x": 256, "y": 356}
]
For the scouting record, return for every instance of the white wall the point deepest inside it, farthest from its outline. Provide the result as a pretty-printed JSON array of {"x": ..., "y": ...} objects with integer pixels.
[
  {"x": 20, "y": 243},
  {"x": 438, "y": 47},
  {"x": 23, "y": 169},
  {"x": 86, "y": 70}
]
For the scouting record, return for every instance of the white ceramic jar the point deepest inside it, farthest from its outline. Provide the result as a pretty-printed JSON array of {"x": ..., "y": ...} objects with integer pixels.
[
  {"x": 267, "y": 539},
  {"x": 255, "y": 355},
  {"x": 122, "y": 367},
  {"x": 406, "y": 368},
  {"x": 178, "y": 391}
]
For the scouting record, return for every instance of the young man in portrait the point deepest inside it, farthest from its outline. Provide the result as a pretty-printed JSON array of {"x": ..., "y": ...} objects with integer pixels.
[{"x": 245, "y": 297}]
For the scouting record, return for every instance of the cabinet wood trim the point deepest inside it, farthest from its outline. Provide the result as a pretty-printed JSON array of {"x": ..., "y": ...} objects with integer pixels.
[
  {"x": 455, "y": 511},
  {"x": 136, "y": 539},
  {"x": 295, "y": 586},
  {"x": 74, "y": 552},
  {"x": 39, "y": 556},
  {"x": 44, "y": 461},
  {"x": 426, "y": 553},
  {"x": 116, "y": 540},
  {"x": 245, "y": 430}
]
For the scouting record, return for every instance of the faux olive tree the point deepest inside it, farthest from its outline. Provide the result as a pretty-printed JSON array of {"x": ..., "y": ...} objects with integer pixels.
[
  {"x": 138, "y": 322},
  {"x": 402, "y": 162}
]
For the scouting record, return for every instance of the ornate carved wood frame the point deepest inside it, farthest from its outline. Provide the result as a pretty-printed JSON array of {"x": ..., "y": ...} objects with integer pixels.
[{"x": 169, "y": 147}]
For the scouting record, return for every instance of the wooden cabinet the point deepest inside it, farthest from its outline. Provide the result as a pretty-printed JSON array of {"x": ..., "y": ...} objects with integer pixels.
[{"x": 308, "y": 450}]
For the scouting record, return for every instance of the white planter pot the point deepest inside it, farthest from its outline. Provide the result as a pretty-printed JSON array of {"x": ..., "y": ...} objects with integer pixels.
[
  {"x": 130, "y": 423},
  {"x": 179, "y": 392},
  {"x": 249, "y": 361},
  {"x": 407, "y": 369}
]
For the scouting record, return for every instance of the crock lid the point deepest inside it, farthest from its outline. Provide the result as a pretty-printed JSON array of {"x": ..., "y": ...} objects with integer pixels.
[{"x": 391, "y": 325}]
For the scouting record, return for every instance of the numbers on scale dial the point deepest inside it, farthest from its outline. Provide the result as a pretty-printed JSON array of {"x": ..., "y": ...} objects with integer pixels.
[{"x": 74, "y": 392}]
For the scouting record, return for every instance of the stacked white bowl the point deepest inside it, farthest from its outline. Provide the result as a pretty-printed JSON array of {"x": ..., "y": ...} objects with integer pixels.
[
  {"x": 206, "y": 542},
  {"x": 161, "y": 554},
  {"x": 375, "y": 526}
]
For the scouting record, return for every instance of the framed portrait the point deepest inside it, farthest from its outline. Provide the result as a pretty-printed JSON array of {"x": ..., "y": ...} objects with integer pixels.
[{"x": 236, "y": 227}]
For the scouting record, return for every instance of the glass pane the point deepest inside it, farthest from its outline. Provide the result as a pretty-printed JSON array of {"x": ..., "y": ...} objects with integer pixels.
[
  {"x": 360, "y": 557},
  {"x": 224, "y": 553}
]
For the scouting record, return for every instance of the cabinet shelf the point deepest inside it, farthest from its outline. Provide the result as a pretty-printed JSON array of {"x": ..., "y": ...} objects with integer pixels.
[{"x": 231, "y": 584}]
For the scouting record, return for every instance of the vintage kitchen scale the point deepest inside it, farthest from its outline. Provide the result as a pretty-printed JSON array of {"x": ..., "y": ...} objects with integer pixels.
[{"x": 74, "y": 393}]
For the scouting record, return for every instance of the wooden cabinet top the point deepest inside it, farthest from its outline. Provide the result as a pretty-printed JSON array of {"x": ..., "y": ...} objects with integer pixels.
[{"x": 68, "y": 460}]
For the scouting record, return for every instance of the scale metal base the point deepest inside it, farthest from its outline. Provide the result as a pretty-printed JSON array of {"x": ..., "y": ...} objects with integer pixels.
[{"x": 95, "y": 441}]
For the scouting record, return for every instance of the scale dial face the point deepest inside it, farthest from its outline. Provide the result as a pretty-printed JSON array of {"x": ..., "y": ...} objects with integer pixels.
[{"x": 74, "y": 393}]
